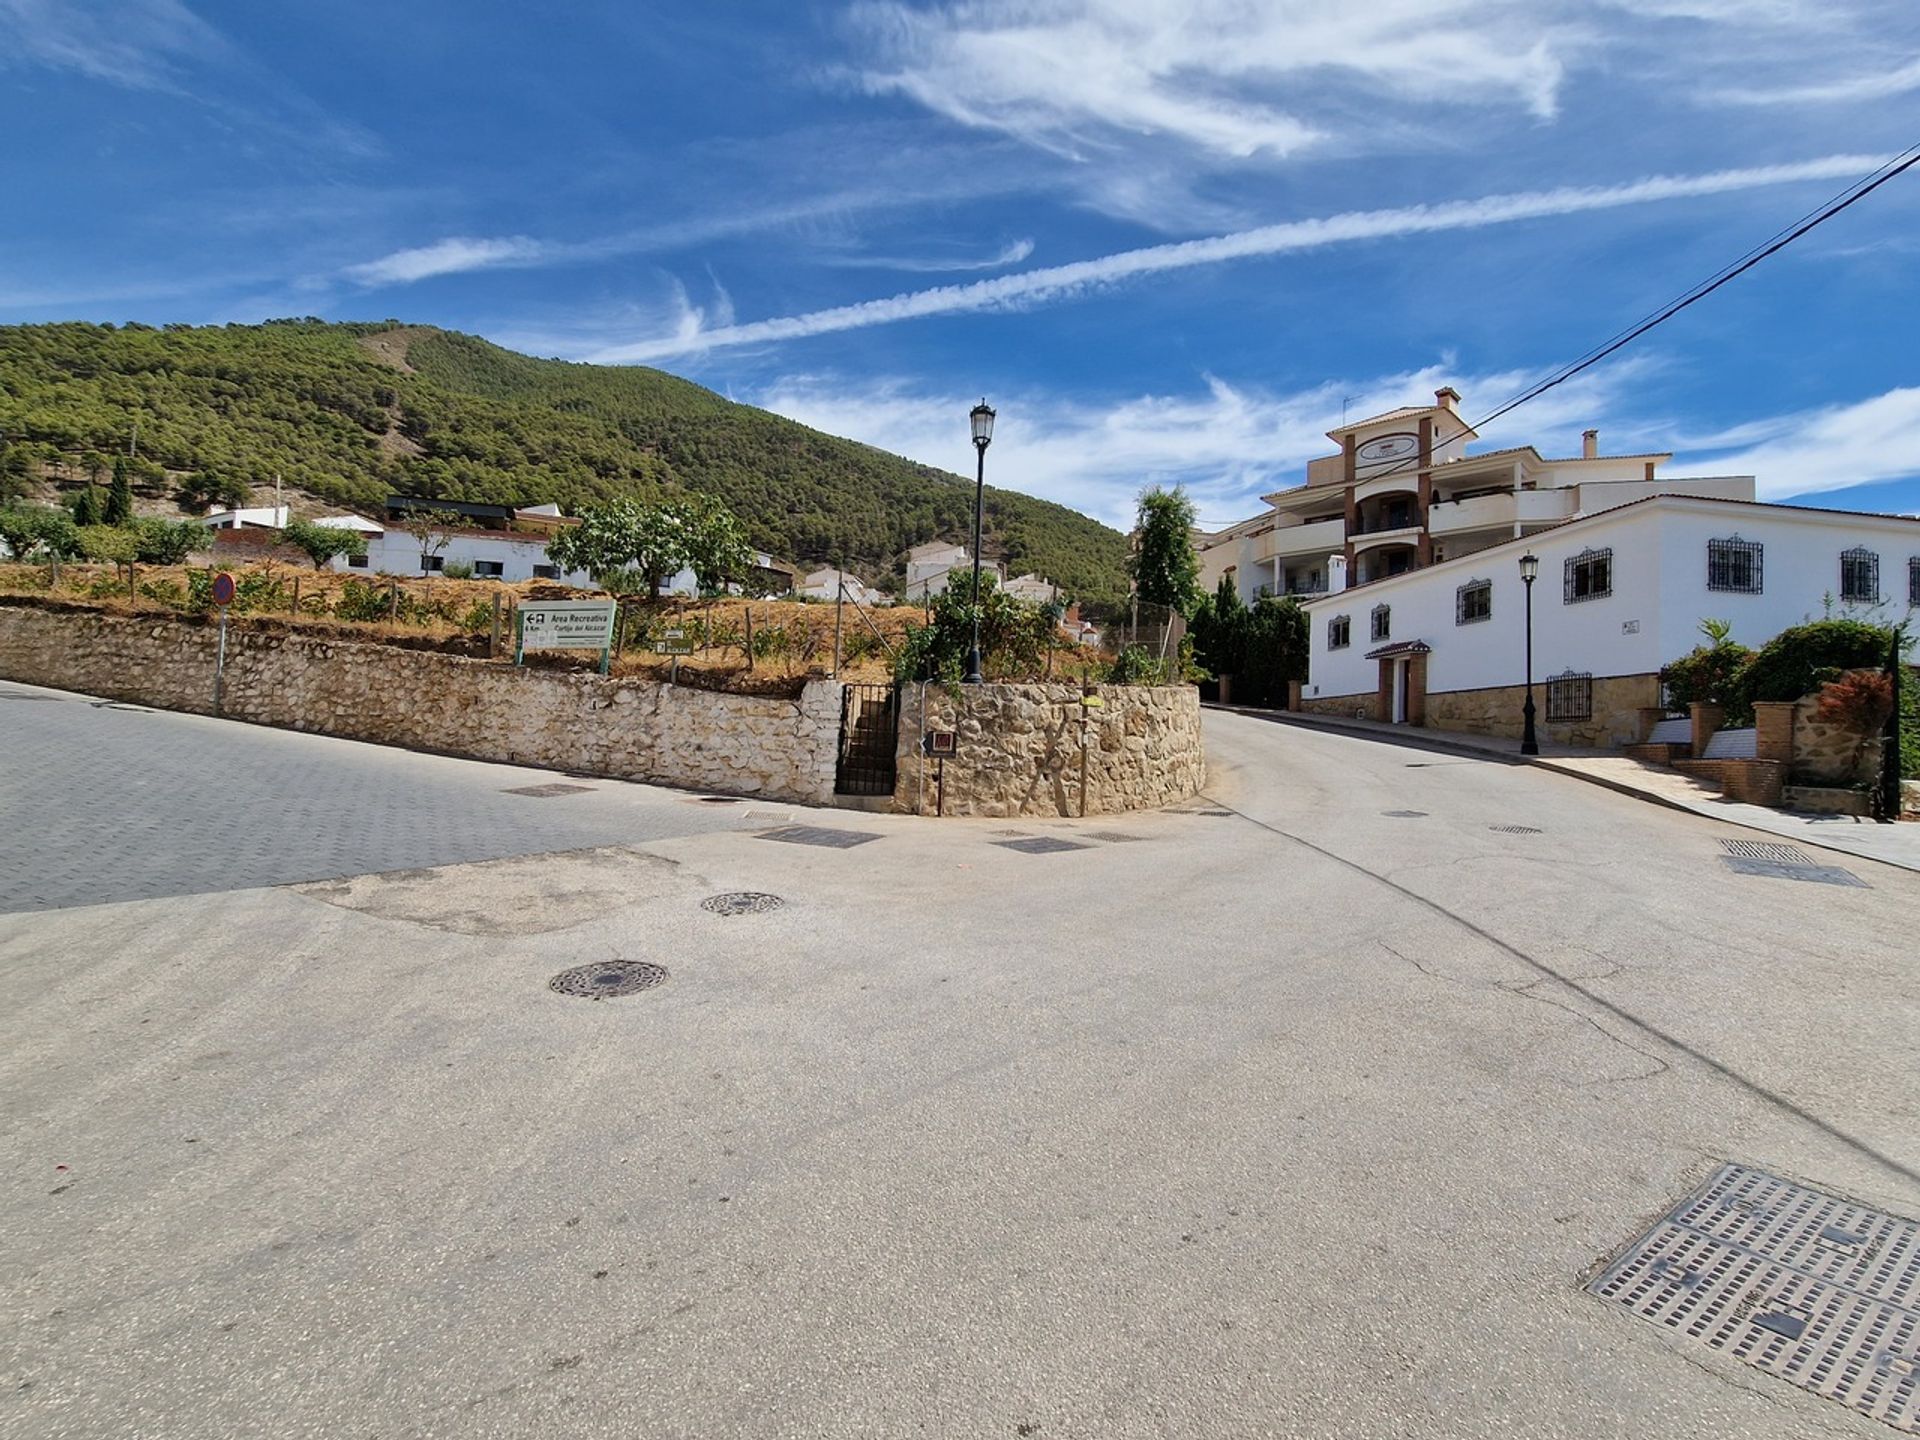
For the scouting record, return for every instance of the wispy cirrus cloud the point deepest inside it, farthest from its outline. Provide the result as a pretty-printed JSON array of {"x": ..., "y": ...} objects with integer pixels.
[
  {"x": 1009, "y": 254},
  {"x": 1852, "y": 88},
  {"x": 1060, "y": 282},
  {"x": 141, "y": 44},
  {"x": 453, "y": 256},
  {"x": 1808, "y": 452}
]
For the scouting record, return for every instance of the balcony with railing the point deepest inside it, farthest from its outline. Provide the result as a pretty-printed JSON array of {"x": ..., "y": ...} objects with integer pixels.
[
  {"x": 1501, "y": 510},
  {"x": 1321, "y": 537}
]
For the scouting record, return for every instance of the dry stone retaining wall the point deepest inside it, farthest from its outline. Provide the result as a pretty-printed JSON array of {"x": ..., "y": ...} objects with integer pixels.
[
  {"x": 629, "y": 728},
  {"x": 1023, "y": 749}
]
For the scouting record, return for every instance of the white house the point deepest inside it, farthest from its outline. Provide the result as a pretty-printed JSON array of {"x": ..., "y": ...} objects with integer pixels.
[
  {"x": 825, "y": 585},
  {"x": 248, "y": 517},
  {"x": 1032, "y": 587},
  {"x": 1619, "y": 593},
  {"x": 1403, "y": 492},
  {"x": 929, "y": 567}
]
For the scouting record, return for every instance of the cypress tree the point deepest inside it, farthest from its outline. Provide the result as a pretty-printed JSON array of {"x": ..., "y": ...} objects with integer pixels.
[
  {"x": 119, "y": 494},
  {"x": 86, "y": 506}
]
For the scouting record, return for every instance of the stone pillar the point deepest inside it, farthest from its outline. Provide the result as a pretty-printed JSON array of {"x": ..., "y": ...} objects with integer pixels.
[
  {"x": 1417, "y": 690},
  {"x": 1650, "y": 716},
  {"x": 1707, "y": 720},
  {"x": 1773, "y": 727},
  {"x": 1383, "y": 694}
]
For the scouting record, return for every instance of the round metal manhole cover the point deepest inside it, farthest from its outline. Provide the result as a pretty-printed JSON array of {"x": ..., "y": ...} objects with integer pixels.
[
  {"x": 741, "y": 902},
  {"x": 607, "y": 978},
  {"x": 1405, "y": 814}
]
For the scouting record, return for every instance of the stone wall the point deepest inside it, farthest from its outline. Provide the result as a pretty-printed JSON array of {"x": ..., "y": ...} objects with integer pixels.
[
  {"x": 1828, "y": 754},
  {"x": 1024, "y": 749},
  {"x": 631, "y": 729},
  {"x": 1617, "y": 704}
]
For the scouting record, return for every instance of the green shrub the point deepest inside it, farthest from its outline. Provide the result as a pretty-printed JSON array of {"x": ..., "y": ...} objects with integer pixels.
[
  {"x": 1014, "y": 635},
  {"x": 1799, "y": 661},
  {"x": 1136, "y": 665},
  {"x": 167, "y": 592},
  {"x": 252, "y": 590},
  {"x": 1711, "y": 674},
  {"x": 363, "y": 600},
  {"x": 479, "y": 618},
  {"x": 457, "y": 570},
  {"x": 167, "y": 542}
]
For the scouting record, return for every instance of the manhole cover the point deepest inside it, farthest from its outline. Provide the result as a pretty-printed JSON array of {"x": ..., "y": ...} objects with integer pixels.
[
  {"x": 1793, "y": 870},
  {"x": 741, "y": 902},
  {"x": 1041, "y": 845},
  {"x": 1806, "y": 1286},
  {"x": 1112, "y": 837},
  {"x": 818, "y": 835},
  {"x": 1767, "y": 850},
  {"x": 1516, "y": 829},
  {"x": 545, "y": 792},
  {"x": 1405, "y": 814},
  {"x": 607, "y": 979}
]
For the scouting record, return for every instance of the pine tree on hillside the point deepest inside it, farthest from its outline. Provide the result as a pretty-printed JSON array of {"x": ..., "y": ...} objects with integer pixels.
[
  {"x": 119, "y": 494},
  {"x": 86, "y": 506}
]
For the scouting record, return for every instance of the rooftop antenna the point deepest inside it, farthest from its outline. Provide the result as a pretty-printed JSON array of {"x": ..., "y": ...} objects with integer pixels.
[{"x": 1345, "y": 400}]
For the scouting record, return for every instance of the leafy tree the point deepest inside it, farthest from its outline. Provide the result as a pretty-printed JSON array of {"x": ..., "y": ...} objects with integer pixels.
[
  {"x": 200, "y": 490},
  {"x": 113, "y": 545},
  {"x": 167, "y": 542},
  {"x": 626, "y": 545},
  {"x": 1262, "y": 647},
  {"x": 31, "y": 530},
  {"x": 119, "y": 509},
  {"x": 13, "y": 472},
  {"x": 716, "y": 545},
  {"x": 1014, "y": 635},
  {"x": 1711, "y": 673},
  {"x": 93, "y": 465},
  {"x": 1164, "y": 567},
  {"x": 429, "y": 532},
  {"x": 87, "y": 509},
  {"x": 1798, "y": 661},
  {"x": 322, "y": 543}
]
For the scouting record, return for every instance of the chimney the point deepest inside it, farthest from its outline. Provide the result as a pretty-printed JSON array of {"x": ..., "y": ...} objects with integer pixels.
[
  {"x": 1589, "y": 444},
  {"x": 1447, "y": 398}
]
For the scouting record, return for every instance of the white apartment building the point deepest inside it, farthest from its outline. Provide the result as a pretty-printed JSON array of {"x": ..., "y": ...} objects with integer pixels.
[
  {"x": 1404, "y": 491},
  {"x": 826, "y": 584},
  {"x": 1619, "y": 593}
]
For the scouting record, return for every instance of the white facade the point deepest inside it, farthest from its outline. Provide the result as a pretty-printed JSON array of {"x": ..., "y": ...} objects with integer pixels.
[
  {"x": 1404, "y": 492},
  {"x": 505, "y": 555},
  {"x": 1032, "y": 587},
  {"x": 930, "y": 566},
  {"x": 825, "y": 585},
  {"x": 1657, "y": 553},
  {"x": 249, "y": 517}
]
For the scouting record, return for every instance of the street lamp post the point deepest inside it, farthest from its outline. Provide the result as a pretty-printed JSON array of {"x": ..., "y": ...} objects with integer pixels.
[
  {"x": 982, "y": 417},
  {"x": 1529, "y": 571}
]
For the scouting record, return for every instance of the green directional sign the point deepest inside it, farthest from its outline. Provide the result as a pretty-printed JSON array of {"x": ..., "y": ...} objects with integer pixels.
[{"x": 673, "y": 642}]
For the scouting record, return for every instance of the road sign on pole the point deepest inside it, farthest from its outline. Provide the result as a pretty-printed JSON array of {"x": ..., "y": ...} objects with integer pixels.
[{"x": 223, "y": 592}]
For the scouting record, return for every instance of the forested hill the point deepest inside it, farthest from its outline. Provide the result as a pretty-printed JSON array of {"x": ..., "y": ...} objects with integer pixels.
[{"x": 353, "y": 412}]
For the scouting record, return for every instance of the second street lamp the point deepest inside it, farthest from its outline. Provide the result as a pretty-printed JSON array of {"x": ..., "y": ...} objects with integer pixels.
[
  {"x": 1529, "y": 572},
  {"x": 982, "y": 417}
]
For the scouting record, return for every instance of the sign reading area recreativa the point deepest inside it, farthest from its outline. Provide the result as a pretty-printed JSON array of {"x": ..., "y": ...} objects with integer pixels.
[{"x": 566, "y": 625}]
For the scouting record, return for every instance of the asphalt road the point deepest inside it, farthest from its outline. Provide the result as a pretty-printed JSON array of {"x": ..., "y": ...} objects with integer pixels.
[{"x": 1284, "y": 1116}]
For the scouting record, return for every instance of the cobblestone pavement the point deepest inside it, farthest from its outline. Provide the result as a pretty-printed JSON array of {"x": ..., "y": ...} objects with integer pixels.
[{"x": 102, "y": 802}]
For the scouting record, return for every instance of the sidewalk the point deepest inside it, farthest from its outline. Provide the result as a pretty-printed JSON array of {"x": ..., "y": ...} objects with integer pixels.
[{"x": 1889, "y": 844}]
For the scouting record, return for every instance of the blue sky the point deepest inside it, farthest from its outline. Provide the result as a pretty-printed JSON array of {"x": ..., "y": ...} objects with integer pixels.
[{"x": 1169, "y": 239}]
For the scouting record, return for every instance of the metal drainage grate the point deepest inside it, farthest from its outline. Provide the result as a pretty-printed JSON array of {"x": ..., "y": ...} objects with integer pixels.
[
  {"x": 819, "y": 835},
  {"x": 1806, "y": 1286},
  {"x": 1767, "y": 850},
  {"x": 1405, "y": 814},
  {"x": 1516, "y": 829},
  {"x": 544, "y": 792},
  {"x": 1775, "y": 861},
  {"x": 1041, "y": 845},
  {"x": 1112, "y": 837},
  {"x": 741, "y": 902},
  {"x": 607, "y": 979}
]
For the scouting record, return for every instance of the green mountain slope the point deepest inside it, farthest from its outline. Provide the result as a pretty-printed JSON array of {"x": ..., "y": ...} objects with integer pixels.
[{"x": 354, "y": 412}]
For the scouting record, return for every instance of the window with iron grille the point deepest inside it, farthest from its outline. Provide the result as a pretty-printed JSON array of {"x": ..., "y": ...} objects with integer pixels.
[
  {"x": 1570, "y": 696},
  {"x": 1339, "y": 632},
  {"x": 1382, "y": 621},
  {"x": 546, "y": 572},
  {"x": 1473, "y": 601},
  {"x": 1913, "y": 580},
  {"x": 488, "y": 569},
  {"x": 1734, "y": 564},
  {"x": 1860, "y": 576},
  {"x": 1589, "y": 576}
]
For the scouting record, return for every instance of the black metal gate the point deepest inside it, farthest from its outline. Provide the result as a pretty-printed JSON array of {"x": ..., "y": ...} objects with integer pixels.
[{"x": 869, "y": 732}]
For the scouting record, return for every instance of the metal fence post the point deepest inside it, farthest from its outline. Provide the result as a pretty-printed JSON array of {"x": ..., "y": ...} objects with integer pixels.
[{"x": 493, "y": 640}]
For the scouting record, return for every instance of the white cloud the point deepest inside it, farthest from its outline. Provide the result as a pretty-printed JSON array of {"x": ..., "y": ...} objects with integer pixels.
[
  {"x": 451, "y": 256},
  {"x": 1058, "y": 282},
  {"x": 1846, "y": 89},
  {"x": 1811, "y": 451},
  {"x": 136, "y": 43},
  {"x": 1010, "y": 254},
  {"x": 1226, "y": 78},
  {"x": 1227, "y": 443}
]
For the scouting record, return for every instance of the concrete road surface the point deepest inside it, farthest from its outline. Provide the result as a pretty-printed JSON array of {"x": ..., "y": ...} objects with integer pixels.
[{"x": 1284, "y": 1116}]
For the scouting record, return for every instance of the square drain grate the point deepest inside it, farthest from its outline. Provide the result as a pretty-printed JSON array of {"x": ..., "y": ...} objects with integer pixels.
[
  {"x": 1767, "y": 850},
  {"x": 818, "y": 835},
  {"x": 1814, "y": 1289},
  {"x": 1041, "y": 845},
  {"x": 1516, "y": 829},
  {"x": 547, "y": 792}
]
